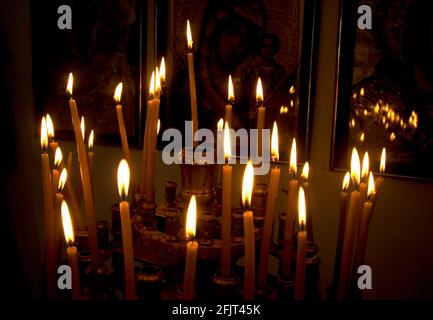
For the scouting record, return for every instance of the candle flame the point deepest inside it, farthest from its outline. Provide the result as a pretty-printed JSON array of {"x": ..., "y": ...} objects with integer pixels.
[
  {"x": 62, "y": 180},
  {"x": 91, "y": 138},
  {"x": 370, "y": 189},
  {"x": 191, "y": 218},
  {"x": 305, "y": 171},
  {"x": 247, "y": 185},
  {"x": 58, "y": 157},
  {"x": 158, "y": 127},
  {"x": 157, "y": 81},
  {"x": 231, "y": 94},
  {"x": 220, "y": 124},
  {"x": 123, "y": 178},
  {"x": 82, "y": 126},
  {"x": 50, "y": 126},
  {"x": 227, "y": 145},
  {"x": 302, "y": 216},
  {"x": 259, "y": 91},
  {"x": 67, "y": 223},
  {"x": 188, "y": 35},
  {"x": 152, "y": 85},
  {"x": 361, "y": 93},
  {"x": 362, "y": 137},
  {"x": 70, "y": 84},
  {"x": 355, "y": 167},
  {"x": 293, "y": 161},
  {"x": 275, "y": 154},
  {"x": 292, "y": 90},
  {"x": 162, "y": 70},
  {"x": 346, "y": 181},
  {"x": 44, "y": 135},
  {"x": 383, "y": 161},
  {"x": 365, "y": 167},
  {"x": 118, "y": 93},
  {"x": 392, "y": 137}
]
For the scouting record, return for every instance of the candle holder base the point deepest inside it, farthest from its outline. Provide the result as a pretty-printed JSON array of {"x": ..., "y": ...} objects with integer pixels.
[
  {"x": 149, "y": 282},
  {"x": 226, "y": 288}
]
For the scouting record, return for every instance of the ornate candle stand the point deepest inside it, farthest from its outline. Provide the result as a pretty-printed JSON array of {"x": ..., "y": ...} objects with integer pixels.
[{"x": 159, "y": 245}]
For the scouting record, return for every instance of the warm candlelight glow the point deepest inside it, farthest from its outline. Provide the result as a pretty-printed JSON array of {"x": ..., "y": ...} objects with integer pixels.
[
  {"x": 70, "y": 84},
  {"x": 247, "y": 185},
  {"x": 362, "y": 137},
  {"x": 302, "y": 216},
  {"x": 62, "y": 180},
  {"x": 259, "y": 91},
  {"x": 44, "y": 135},
  {"x": 123, "y": 176},
  {"x": 371, "y": 189},
  {"x": 67, "y": 224},
  {"x": 365, "y": 167},
  {"x": 305, "y": 171},
  {"x": 158, "y": 127},
  {"x": 220, "y": 124},
  {"x": 355, "y": 167},
  {"x": 91, "y": 138},
  {"x": 58, "y": 157},
  {"x": 191, "y": 219},
  {"x": 346, "y": 181},
  {"x": 152, "y": 85},
  {"x": 231, "y": 94},
  {"x": 361, "y": 93},
  {"x": 162, "y": 70},
  {"x": 188, "y": 35},
  {"x": 383, "y": 161},
  {"x": 293, "y": 166},
  {"x": 275, "y": 154},
  {"x": 50, "y": 127},
  {"x": 118, "y": 93},
  {"x": 392, "y": 137},
  {"x": 82, "y": 126},
  {"x": 227, "y": 145}
]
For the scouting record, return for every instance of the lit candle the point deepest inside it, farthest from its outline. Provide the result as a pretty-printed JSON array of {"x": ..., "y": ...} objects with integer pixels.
[
  {"x": 249, "y": 237},
  {"x": 58, "y": 158},
  {"x": 123, "y": 176},
  {"x": 71, "y": 196},
  {"x": 260, "y": 115},
  {"x": 191, "y": 77},
  {"x": 302, "y": 248},
  {"x": 229, "y": 105},
  {"x": 121, "y": 124},
  {"x": 349, "y": 233},
  {"x": 85, "y": 177},
  {"x": 364, "y": 177},
  {"x": 48, "y": 215},
  {"x": 71, "y": 251},
  {"x": 50, "y": 131},
  {"x": 58, "y": 210},
  {"x": 270, "y": 210},
  {"x": 292, "y": 197},
  {"x": 361, "y": 244},
  {"x": 148, "y": 173},
  {"x": 191, "y": 251},
  {"x": 226, "y": 225},
  {"x": 380, "y": 179},
  {"x": 306, "y": 186},
  {"x": 91, "y": 153},
  {"x": 341, "y": 227}
]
